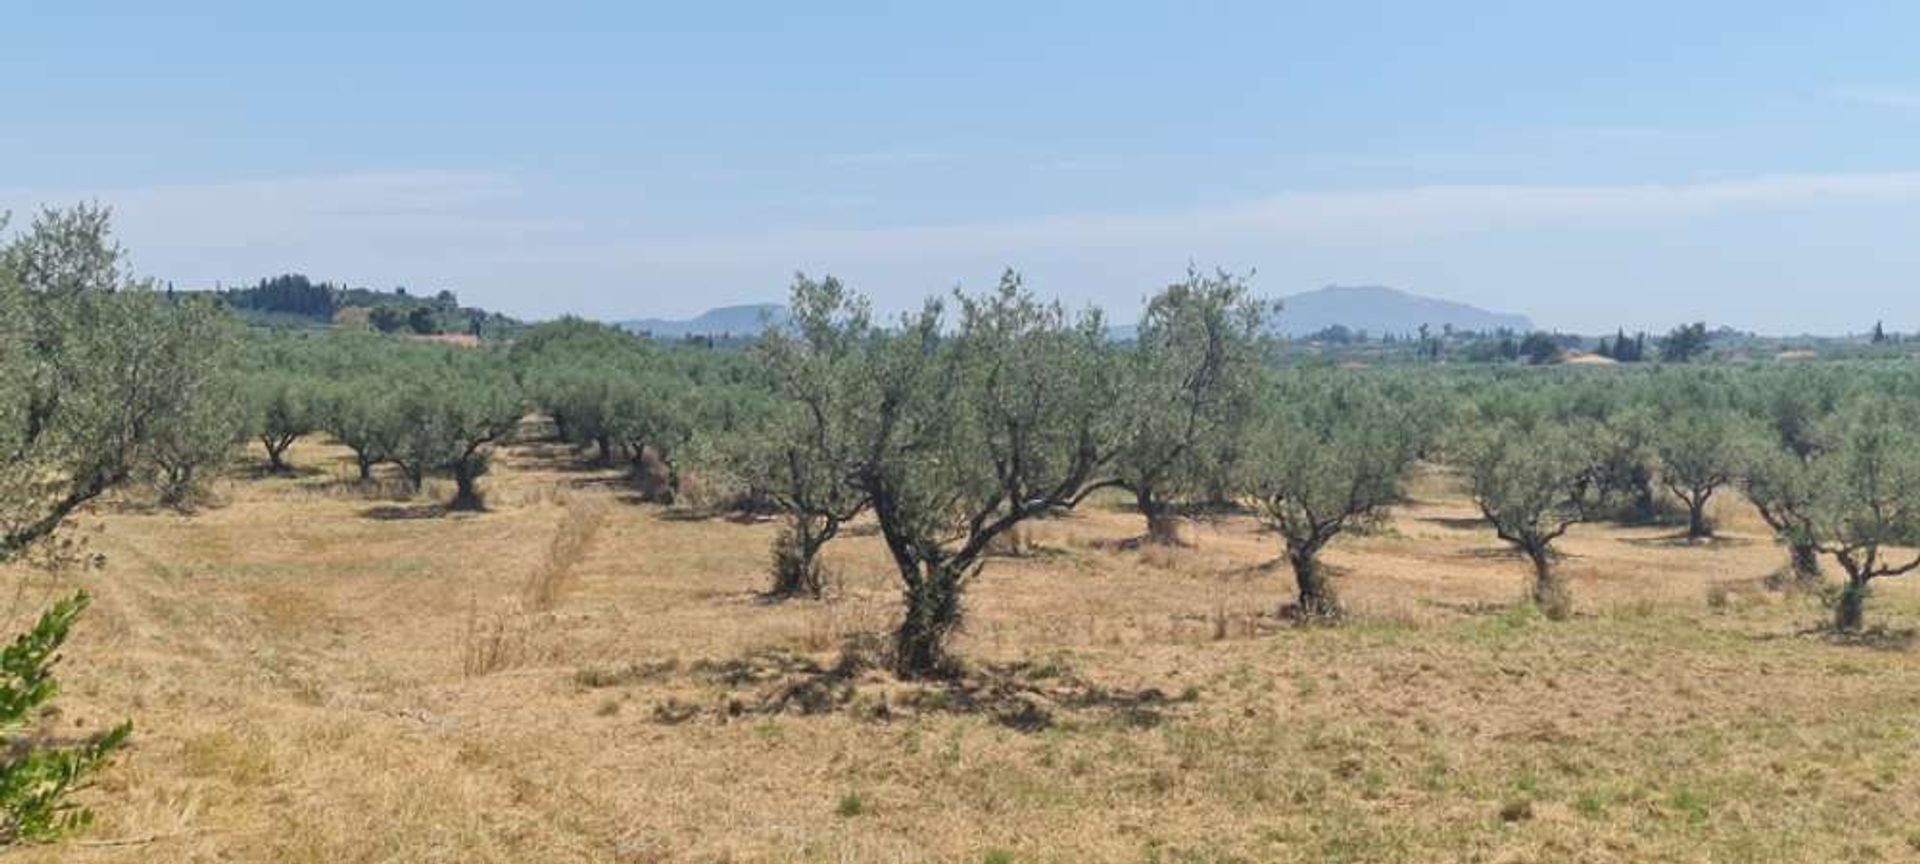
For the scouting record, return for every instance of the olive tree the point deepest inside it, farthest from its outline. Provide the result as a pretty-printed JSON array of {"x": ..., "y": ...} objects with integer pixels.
[
  {"x": 285, "y": 408},
  {"x": 1528, "y": 481},
  {"x": 974, "y": 432},
  {"x": 1327, "y": 454},
  {"x": 361, "y": 412},
  {"x": 1700, "y": 454},
  {"x": 97, "y": 373},
  {"x": 577, "y": 388},
  {"x": 98, "y": 370},
  {"x": 1794, "y": 410},
  {"x": 1865, "y": 504},
  {"x": 806, "y": 455},
  {"x": 571, "y": 369},
  {"x": 651, "y": 414},
  {"x": 198, "y": 433},
  {"x": 450, "y": 411},
  {"x": 1188, "y": 380},
  {"x": 1780, "y": 483}
]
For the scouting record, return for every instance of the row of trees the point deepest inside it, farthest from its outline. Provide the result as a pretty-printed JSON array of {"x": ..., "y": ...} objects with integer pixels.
[
  {"x": 950, "y": 433},
  {"x": 951, "y": 426},
  {"x": 422, "y": 408},
  {"x": 1827, "y": 455}
]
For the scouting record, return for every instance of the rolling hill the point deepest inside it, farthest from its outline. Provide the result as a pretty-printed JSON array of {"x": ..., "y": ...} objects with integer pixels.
[
  {"x": 745, "y": 320},
  {"x": 1375, "y": 309},
  {"x": 1378, "y": 309}
]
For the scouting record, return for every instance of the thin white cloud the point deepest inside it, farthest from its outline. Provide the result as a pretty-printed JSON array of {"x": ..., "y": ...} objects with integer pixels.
[
  {"x": 507, "y": 247},
  {"x": 366, "y": 228},
  {"x": 1336, "y": 218},
  {"x": 1080, "y": 163},
  {"x": 1897, "y": 98},
  {"x": 890, "y": 157}
]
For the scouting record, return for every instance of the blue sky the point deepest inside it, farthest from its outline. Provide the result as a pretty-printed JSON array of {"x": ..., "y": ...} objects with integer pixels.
[{"x": 1629, "y": 163}]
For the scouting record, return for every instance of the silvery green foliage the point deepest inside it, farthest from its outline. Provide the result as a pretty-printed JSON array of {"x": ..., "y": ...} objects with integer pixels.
[
  {"x": 451, "y": 408},
  {"x": 1188, "y": 385},
  {"x": 100, "y": 376},
  {"x": 102, "y": 381},
  {"x": 1701, "y": 451},
  {"x": 806, "y": 452},
  {"x": 1005, "y": 417},
  {"x": 1326, "y": 455},
  {"x": 1529, "y": 481},
  {"x": 1863, "y": 509}
]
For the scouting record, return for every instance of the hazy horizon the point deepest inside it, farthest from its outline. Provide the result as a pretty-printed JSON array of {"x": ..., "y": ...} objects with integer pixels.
[{"x": 1636, "y": 166}]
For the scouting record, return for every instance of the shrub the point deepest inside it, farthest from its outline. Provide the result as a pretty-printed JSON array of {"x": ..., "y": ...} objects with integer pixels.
[{"x": 38, "y": 776}]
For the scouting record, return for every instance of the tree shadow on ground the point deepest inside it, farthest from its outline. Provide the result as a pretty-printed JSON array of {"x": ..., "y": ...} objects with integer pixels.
[
  {"x": 1474, "y": 608},
  {"x": 1680, "y": 540},
  {"x": 1896, "y": 639},
  {"x": 1269, "y": 568},
  {"x": 403, "y": 512},
  {"x": 617, "y": 482},
  {"x": 672, "y": 513},
  {"x": 1498, "y": 553},
  {"x": 1137, "y": 542},
  {"x": 1024, "y": 696},
  {"x": 375, "y": 489},
  {"x": 559, "y": 457},
  {"x": 1458, "y": 523},
  {"x": 263, "y": 471}
]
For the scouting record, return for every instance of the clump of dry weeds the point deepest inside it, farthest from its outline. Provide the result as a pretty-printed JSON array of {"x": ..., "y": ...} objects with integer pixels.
[
  {"x": 580, "y": 523},
  {"x": 507, "y": 637}
]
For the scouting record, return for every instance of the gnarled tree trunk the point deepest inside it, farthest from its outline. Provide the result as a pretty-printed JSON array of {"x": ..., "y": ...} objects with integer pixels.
[
  {"x": 1849, "y": 614},
  {"x": 466, "y": 494},
  {"x": 1316, "y": 600},
  {"x": 1163, "y": 529},
  {"x": 1804, "y": 563},
  {"x": 1550, "y": 592},
  {"x": 1641, "y": 511},
  {"x": 277, "y": 447},
  {"x": 933, "y": 613},
  {"x": 1698, "y": 528},
  {"x": 796, "y": 557}
]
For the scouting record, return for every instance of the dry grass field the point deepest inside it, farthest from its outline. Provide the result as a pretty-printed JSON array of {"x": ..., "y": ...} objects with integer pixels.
[{"x": 320, "y": 675}]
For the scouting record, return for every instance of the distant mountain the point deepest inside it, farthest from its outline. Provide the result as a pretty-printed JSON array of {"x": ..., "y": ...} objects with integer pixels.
[
  {"x": 1374, "y": 309},
  {"x": 1378, "y": 309},
  {"x": 747, "y": 320}
]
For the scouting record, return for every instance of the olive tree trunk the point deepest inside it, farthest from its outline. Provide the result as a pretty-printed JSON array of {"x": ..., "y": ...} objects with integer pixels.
[
  {"x": 1641, "y": 511},
  {"x": 1550, "y": 592},
  {"x": 466, "y": 475},
  {"x": 1849, "y": 613},
  {"x": 277, "y": 446},
  {"x": 1316, "y": 600},
  {"x": 466, "y": 496},
  {"x": 1162, "y": 528},
  {"x": 1698, "y": 528},
  {"x": 796, "y": 557},
  {"x": 932, "y": 614},
  {"x": 1804, "y": 561}
]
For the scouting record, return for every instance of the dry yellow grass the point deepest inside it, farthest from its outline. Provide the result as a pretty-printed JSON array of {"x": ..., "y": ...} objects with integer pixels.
[{"x": 295, "y": 662}]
